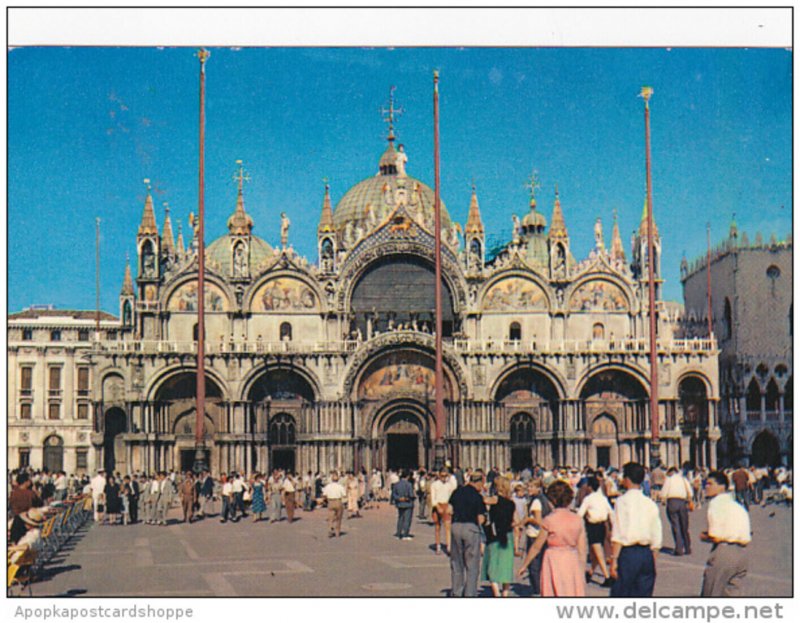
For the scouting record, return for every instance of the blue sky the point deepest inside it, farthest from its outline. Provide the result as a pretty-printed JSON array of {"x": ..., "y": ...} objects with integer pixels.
[{"x": 87, "y": 125}]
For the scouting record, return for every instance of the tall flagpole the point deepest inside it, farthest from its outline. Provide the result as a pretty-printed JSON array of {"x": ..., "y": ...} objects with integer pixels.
[
  {"x": 97, "y": 278},
  {"x": 655, "y": 457},
  {"x": 708, "y": 278},
  {"x": 439, "y": 448},
  {"x": 200, "y": 451}
]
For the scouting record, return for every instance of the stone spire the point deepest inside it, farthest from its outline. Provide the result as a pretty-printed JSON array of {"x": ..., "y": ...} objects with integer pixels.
[
  {"x": 643, "y": 223},
  {"x": 326, "y": 220},
  {"x": 167, "y": 238},
  {"x": 148, "y": 225},
  {"x": 558, "y": 228},
  {"x": 617, "y": 250},
  {"x": 180, "y": 245},
  {"x": 240, "y": 223},
  {"x": 127, "y": 282},
  {"x": 474, "y": 221},
  {"x": 733, "y": 233}
]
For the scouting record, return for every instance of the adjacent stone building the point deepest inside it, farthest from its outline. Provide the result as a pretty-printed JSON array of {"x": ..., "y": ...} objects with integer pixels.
[
  {"x": 751, "y": 295},
  {"x": 329, "y": 363}
]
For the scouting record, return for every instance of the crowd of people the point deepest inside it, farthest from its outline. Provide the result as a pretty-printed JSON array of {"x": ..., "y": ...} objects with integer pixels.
[{"x": 567, "y": 526}]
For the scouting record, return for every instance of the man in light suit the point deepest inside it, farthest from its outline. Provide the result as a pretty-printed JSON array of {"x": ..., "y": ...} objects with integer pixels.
[{"x": 166, "y": 493}]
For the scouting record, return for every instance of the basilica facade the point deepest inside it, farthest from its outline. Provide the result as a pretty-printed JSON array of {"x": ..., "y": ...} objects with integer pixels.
[{"x": 328, "y": 362}]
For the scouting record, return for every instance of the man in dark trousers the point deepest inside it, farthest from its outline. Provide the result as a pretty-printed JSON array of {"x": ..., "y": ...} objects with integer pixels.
[
  {"x": 133, "y": 500},
  {"x": 469, "y": 513},
  {"x": 206, "y": 493},
  {"x": 635, "y": 537},
  {"x": 403, "y": 499}
]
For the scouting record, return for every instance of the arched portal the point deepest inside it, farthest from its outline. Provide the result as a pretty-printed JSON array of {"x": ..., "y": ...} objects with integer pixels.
[
  {"x": 693, "y": 420},
  {"x": 115, "y": 423},
  {"x": 277, "y": 401},
  {"x": 523, "y": 450},
  {"x": 766, "y": 450},
  {"x": 399, "y": 290},
  {"x": 613, "y": 400},
  {"x": 53, "y": 453},
  {"x": 282, "y": 435},
  {"x": 401, "y": 434}
]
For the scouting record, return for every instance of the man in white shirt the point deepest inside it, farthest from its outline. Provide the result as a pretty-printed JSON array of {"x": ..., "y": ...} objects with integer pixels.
[
  {"x": 729, "y": 531},
  {"x": 98, "y": 489},
  {"x": 677, "y": 494},
  {"x": 596, "y": 511},
  {"x": 227, "y": 499},
  {"x": 440, "y": 491},
  {"x": 61, "y": 486},
  {"x": 334, "y": 493},
  {"x": 635, "y": 538}
]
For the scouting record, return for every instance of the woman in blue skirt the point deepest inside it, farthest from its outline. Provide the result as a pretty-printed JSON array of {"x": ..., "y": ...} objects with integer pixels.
[{"x": 258, "y": 506}]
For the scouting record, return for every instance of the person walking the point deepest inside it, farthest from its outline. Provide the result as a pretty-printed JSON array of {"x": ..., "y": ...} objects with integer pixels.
[
  {"x": 440, "y": 491},
  {"x": 289, "y": 491},
  {"x": 238, "y": 495},
  {"x": 188, "y": 493},
  {"x": 563, "y": 561},
  {"x": 113, "y": 500},
  {"x": 403, "y": 499},
  {"x": 334, "y": 493},
  {"x": 351, "y": 486},
  {"x": 133, "y": 498},
  {"x": 275, "y": 491},
  {"x": 422, "y": 487},
  {"x": 729, "y": 533},
  {"x": 146, "y": 500},
  {"x": 678, "y": 495},
  {"x": 228, "y": 510},
  {"x": 165, "y": 497},
  {"x": 635, "y": 538},
  {"x": 539, "y": 507},
  {"x": 498, "y": 559},
  {"x": 467, "y": 509},
  {"x": 741, "y": 484},
  {"x": 258, "y": 505},
  {"x": 98, "y": 488},
  {"x": 206, "y": 494},
  {"x": 596, "y": 511}
]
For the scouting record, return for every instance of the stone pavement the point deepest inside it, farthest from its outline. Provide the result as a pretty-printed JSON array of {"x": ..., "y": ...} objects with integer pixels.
[{"x": 245, "y": 559}]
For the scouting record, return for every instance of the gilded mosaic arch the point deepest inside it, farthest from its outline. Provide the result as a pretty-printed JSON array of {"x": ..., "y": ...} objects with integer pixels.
[
  {"x": 515, "y": 294},
  {"x": 256, "y": 374},
  {"x": 184, "y": 298},
  {"x": 598, "y": 295},
  {"x": 165, "y": 375},
  {"x": 282, "y": 294}
]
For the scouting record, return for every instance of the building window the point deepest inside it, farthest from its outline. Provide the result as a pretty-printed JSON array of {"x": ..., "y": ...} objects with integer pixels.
[
  {"x": 55, "y": 335},
  {"x": 54, "y": 386},
  {"x": 26, "y": 381},
  {"x": 111, "y": 336},
  {"x": 54, "y": 411},
  {"x": 286, "y": 332},
  {"x": 514, "y": 331},
  {"x": 598, "y": 331},
  {"x": 83, "y": 411},
  {"x": 728, "y": 320},
  {"x": 81, "y": 458},
  {"x": 282, "y": 430},
  {"x": 83, "y": 381},
  {"x": 27, "y": 335},
  {"x": 24, "y": 457},
  {"x": 83, "y": 335},
  {"x": 25, "y": 411}
]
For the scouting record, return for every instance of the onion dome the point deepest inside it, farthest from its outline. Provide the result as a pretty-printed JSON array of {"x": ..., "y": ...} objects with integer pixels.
[
  {"x": 219, "y": 251},
  {"x": 534, "y": 222}
]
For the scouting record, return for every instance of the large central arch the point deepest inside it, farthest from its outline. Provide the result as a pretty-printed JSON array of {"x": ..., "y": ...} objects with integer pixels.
[{"x": 400, "y": 433}]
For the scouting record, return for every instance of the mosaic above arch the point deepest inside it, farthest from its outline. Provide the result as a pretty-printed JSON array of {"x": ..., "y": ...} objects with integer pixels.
[
  {"x": 284, "y": 294},
  {"x": 400, "y": 373},
  {"x": 514, "y": 293},
  {"x": 184, "y": 299},
  {"x": 598, "y": 296}
]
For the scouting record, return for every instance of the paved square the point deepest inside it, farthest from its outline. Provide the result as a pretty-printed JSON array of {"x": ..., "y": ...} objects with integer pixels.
[{"x": 246, "y": 559}]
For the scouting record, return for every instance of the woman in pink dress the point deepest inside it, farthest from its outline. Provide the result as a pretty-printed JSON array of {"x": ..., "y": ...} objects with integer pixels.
[{"x": 562, "y": 566}]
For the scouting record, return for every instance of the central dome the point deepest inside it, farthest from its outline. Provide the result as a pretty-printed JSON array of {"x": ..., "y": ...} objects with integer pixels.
[{"x": 381, "y": 194}]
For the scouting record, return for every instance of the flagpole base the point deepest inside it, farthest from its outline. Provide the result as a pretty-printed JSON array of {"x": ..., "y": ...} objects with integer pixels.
[
  {"x": 439, "y": 455},
  {"x": 200, "y": 459},
  {"x": 655, "y": 454}
]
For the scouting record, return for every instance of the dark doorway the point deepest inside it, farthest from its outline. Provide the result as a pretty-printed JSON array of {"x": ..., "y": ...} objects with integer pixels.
[
  {"x": 603, "y": 456},
  {"x": 187, "y": 460},
  {"x": 54, "y": 454},
  {"x": 521, "y": 458},
  {"x": 283, "y": 459},
  {"x": 402, "y": 451},
  {"x": 115, "y": 424},
  {"x": 766, "y": 450}
]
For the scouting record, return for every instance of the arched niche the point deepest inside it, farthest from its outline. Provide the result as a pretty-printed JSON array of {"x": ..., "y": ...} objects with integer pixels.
[
  {"x": 176, "y": 398},
  {"x": 693, "y": 400},
  {"x": 617, "y": 394},
  {"x": 184, "y": 298},
  {"x": 766, "y": 450},
  {"x": 514, "y": 294},
  {"x": 113, "y": 389},
  {"x": 598, "y": 295},
  {"x": 53, "y": 453},
  {"x": 399, "y": 289},
  {"x": 284, "y": 294}
]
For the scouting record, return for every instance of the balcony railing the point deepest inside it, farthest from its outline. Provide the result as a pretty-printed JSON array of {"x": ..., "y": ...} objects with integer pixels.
[{"x": 460, "y": 345}]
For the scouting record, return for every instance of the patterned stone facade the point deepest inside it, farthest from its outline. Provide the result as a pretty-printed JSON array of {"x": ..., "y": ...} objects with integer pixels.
[
  {"x": 752, "y": 306},
  {"x": 315, "y": 365}
]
